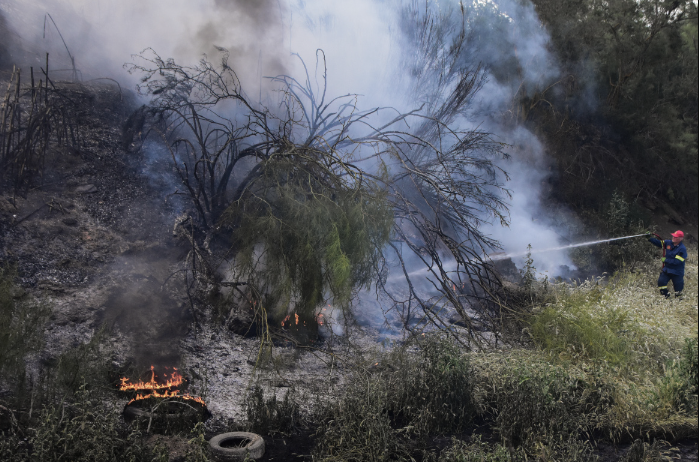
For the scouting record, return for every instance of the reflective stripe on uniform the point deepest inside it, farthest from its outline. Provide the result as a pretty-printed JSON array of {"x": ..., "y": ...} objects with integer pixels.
[
  {"x": 662, "y": 287},
  {"x": 679, "y": 258}
]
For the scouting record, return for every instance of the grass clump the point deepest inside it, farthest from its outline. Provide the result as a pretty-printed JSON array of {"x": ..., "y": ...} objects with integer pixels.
[
  {"x": 272, "y": 416},
  {"x": 21, "y": 330},
  {"x": 607, "y": 360},
  {"x": 531, "y": 402},
  {"x": 475, "y": 451},
  {"x": 644, "y": 452},
  {"x": 635, "y": 344},
  {"x": 358, "y": 428},
  {"x": 83, "y": 430},
  {"x": 679, "y": 385},
  {"x": 422, "y": 388},
  {"x": 619, "y": 320},
  {"x": 576, "y": 327},
  {"x": 432, "y": 389},
  {"x": 567, "y": 449}
]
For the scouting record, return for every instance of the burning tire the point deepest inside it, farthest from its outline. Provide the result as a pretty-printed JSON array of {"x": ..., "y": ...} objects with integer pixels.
[
  {"x": 235, "y": 446},
  {"x": 172, "y": 416},
  {"x": 161, "y": 403}
]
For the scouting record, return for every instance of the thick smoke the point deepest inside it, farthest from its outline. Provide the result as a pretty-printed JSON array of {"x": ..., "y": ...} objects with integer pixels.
[{"x": 521, "y": 65}]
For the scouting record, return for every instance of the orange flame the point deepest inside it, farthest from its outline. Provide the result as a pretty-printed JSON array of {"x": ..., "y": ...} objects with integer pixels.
[
  {"x": 168, "y": 394},
  {"x": 296, "y": 319},
  {"x": 158, "y": 390},
  {"x": 174, "y": 381},
  {"x": 287, "y": 320}
]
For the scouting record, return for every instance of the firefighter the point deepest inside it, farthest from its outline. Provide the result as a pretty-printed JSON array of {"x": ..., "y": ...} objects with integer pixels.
[{"x": 674, "y": 256}]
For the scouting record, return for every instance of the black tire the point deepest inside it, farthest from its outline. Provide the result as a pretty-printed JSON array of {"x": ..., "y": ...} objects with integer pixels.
[
  {"x": 254, "y": 448},
  {"x": 132, "y": 413}
]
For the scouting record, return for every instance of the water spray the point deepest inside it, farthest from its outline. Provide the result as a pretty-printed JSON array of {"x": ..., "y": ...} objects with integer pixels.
[
  {"x": 452, "y": 266},
  {"x": 504, "y": 256}
]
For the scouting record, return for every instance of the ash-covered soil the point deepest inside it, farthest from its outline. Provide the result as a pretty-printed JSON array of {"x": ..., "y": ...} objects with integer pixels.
[{"x": 94, "y": 240}]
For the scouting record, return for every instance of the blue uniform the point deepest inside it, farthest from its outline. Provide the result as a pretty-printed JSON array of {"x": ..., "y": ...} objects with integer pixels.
[{"x": 673, "y": 270}]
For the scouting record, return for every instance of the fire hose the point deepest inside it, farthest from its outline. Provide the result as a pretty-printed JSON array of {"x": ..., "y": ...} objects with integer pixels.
[{"x": 662, "y": 244}]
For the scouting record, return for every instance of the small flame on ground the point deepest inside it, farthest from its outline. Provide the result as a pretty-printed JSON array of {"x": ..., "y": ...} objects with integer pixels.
[
  {"x": 287, "y": 320},
  {"x": 168, "y": 394}
]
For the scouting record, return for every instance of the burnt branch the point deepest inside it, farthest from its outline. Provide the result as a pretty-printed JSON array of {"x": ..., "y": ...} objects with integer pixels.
[
  {"x": 35, "y": 119},
  {"x": 297, "y": 184}
]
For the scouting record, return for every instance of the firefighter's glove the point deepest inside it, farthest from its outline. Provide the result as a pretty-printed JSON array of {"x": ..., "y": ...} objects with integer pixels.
[{"x": 663, "y": 259}]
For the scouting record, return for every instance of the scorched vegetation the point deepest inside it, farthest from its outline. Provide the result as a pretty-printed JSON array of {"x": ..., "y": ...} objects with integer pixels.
[{"x": 316, "y": 195}]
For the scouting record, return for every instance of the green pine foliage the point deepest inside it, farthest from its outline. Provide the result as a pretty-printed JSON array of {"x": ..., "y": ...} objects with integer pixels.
[
  {"x": 624, "y": 111},
  {"x": 304, "y": 238},
  {"x": 618, "y": 217}
]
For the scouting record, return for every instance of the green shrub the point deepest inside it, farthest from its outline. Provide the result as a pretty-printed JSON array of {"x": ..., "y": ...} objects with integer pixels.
[
  {"x": 320, "y": 238},
  {"x": 431, "y": 390},
  {"x": 617, "y": 219},
  {"x": 86, "y": 430},
  {"x": 573, "y": 331},
  {"x": 532, "y": 402},
  {"x": 423, "y": 387},
  {"x": 522, "y": 297},
  {"x": 679, "y": 385},
  {"x": 198, "y": 446}
]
